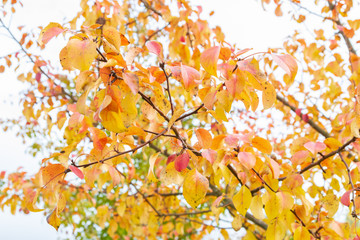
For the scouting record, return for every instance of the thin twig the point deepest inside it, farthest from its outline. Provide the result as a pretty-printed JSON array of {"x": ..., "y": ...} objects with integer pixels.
[
  {"x": 122, "y": 153},
  {"x": 162, "y": 66}
]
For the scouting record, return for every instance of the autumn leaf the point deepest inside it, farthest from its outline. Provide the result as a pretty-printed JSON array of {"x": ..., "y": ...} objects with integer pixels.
[
  {"x": 155, "y": 48},
  {"x": 247, "y": 159},
  {"x": 262, "y": 145},
  {"x": 50, "y": 31},
  {"x": 132, "y": 80},
  {"x": 77, "y": 171},
  {"x": 181, "y": 161},
  {"x": 315, "y": 147},
  {"x": 190, "y": 76},
  {"x": 209, "y": 59},
  {"x": 195, "y": 188},
  {"x": 288, "y": 63},
  {"x": 268, "y": 95},
  {"x": 79, "y": 53},
  {"x": 345, "y": 198},
  {"x": 242, "y": 200},
  {"x": 209, "y": 155}
]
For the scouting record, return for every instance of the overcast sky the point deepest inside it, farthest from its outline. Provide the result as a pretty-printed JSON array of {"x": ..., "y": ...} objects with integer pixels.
[{"x": 243, "y": 21}]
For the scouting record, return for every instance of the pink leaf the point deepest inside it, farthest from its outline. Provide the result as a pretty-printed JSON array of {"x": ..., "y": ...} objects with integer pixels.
[
  {"x": 50, "y": 31},
  {"x": 288, "y": 63},
  {"x": 247, "y": 159},
  {"x": 345, "y": 199},
  {"x": 232, "y": 140},
  {"x": 132, "y": 80},
  {"x": 190, "y": 76},
  {"x": 209, "y": 155},
  {"x": 298, "y": 111},
  {"x": 77, "y": 171},
  {"x": 181, "y": 162},
  {"x": 210, "y": 99},
  {"x": 315, "y": 147},
  {"x": 154, "y": 47},
  {"x": 299, "y": 157},
  {"x": 209, "y": 59}
]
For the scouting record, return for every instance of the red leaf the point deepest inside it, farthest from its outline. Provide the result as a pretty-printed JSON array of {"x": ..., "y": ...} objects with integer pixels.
[
  {"x": 190, "y": 76},
  {"x": 132, "y": 80},
  {"x": 77, "y": 171},
  {"x": 315, "y": 147},
  {"x": 182, "y": 39},
  {"x": 154, "y": 47},
  {"x": 298, "y": 111},
  {"x": 171, "y": 158},
  {"x": 345, "y": 199},
  {"x": 181, "y": 162},
  {"x": 209, "y": 59},
  {"x": 209, "y": 155}
]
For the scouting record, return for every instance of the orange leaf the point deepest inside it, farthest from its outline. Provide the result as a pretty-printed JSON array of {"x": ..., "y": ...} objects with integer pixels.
[
  {"x": 204, "y": 137},
  {"x": 262, "y": 145},
  {"x": 209, "y": 59}
]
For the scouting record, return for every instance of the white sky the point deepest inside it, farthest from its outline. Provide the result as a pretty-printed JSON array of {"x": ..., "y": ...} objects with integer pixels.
[{"x": 243, "y": 21}]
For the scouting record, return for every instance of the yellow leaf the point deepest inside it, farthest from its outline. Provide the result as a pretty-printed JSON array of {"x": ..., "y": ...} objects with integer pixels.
[
  {"x": 256, "y": 207},
  {"x": 176, "y": 115},
  {"x": 237, "y": 223},
  {"x": 151, "y": 175},
  {"x": 53, "y": 219},
  {"x": 276, "y": 230},
  {"x": 112, "y": 36},
  {"x": 268, "y": 95},
  {"x": 102, "y": 215},
  {"x": 195, "y": 188},
  {"x": 242, "y": 200},
  {"x": 262, "y": 145},
  {"x": 274, "y": 205},
  {"x": 79, "y": 54},
  {"x": 170, "y": 175},
  {"x": 209, "y": 59},
  {"x": 332, "y": 143},
  {"x": 30, "y": 198},
  {"x": 112, "y": 121},
  {"x": 301, "y": 233},
  {"x": 331, "y": 203},
  {"x": 355, "y": 127}
]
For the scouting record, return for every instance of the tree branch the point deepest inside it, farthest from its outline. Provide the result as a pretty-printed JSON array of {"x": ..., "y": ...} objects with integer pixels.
[{"x": 310, "y": 122}]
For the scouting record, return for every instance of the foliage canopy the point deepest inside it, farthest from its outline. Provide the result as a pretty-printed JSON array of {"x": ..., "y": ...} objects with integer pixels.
[{"x": 157, "y": 127}]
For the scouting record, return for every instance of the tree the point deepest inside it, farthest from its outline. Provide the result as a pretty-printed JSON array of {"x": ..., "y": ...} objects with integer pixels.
[{"x": 158, "y": 118}]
